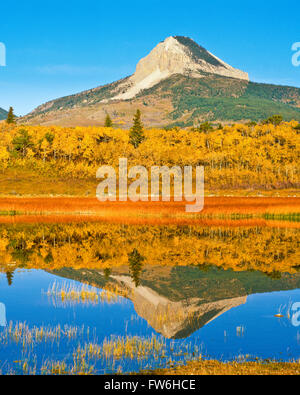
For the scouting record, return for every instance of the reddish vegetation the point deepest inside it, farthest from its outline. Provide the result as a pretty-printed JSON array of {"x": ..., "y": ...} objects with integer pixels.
[
  {"x": 90, "y": 209},
  {"x": 213, "y": 205}
]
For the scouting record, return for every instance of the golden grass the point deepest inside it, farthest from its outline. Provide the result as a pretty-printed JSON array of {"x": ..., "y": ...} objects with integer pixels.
[
  {"x": 84, "y": 294},
  {"x": 150, "y": 220},
  {"x": 26, "y": 182},
  {"x": 85, "y": 356},
  {"x": 214, "y": 206},
  {"x": 216, "y": 368},
  {"x": 81, "y": 358},
  {"x": 21, "y": 333}
]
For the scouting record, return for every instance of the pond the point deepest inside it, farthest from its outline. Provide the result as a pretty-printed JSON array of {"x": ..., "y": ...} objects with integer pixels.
[{"x": 107, "y": 298}]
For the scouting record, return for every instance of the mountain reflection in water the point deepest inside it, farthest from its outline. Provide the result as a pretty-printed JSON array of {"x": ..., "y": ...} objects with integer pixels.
[
  {"x": 178, "y": 301},
  {"x": 195, "y": 284}
]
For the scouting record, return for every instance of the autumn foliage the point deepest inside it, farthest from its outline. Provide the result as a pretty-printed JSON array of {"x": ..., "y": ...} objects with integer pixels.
[
  {"x": 235, "y": 157},
  {"x": 101, "y": 246}
]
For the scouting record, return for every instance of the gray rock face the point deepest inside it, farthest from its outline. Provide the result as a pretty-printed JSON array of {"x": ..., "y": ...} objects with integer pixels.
[
  {"x": 176, "y": 55},
  {"x": 175, "y": 320}
]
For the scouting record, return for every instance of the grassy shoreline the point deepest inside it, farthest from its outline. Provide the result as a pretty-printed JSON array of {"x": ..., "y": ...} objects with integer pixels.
[
  {"x": 216, "y": 368},
  {"x": 27, "y": 183}
]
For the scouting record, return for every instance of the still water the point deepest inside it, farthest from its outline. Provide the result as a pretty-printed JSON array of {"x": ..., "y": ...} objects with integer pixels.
[{"x": 120, "y": 298}]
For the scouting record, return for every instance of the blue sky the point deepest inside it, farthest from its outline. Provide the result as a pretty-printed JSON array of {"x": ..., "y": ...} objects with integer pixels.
[{"x": 57, "y": 48}]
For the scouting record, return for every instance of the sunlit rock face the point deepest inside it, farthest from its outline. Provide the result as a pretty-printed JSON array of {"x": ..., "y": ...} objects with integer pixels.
[
  {"x": 176, "y": 55},
  {"x": 178, "y": 301},
  {"x": 175, "y": 319}
]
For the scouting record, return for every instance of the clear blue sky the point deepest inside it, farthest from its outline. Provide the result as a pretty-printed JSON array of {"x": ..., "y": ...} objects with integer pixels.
[{"x": 56, "y": 48}]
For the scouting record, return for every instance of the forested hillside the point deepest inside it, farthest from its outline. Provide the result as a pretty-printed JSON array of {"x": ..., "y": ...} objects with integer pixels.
[{"x": 262, "y": 156}]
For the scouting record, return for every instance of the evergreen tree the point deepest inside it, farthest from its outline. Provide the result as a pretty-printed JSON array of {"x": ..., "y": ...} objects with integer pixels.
[
  {"x": 22, "y": 142},
  {"x": 206, "y": 127},
  {"x": 136, "y": 135},
  {"x": 274, "y": 119},
  {"x": 107, "y": 273},
  {"x": 11, "y": 118},
  {"x": 10, "y": 276},
  {"x": 135, "y": 261},
  {"x": 108, "y": 122}
]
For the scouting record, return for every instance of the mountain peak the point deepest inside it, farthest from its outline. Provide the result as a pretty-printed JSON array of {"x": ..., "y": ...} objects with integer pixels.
[
  {"x": 176, "y": 55},
  {"x": 197, "y": 52},
  {"x": 178, "y": 83}
]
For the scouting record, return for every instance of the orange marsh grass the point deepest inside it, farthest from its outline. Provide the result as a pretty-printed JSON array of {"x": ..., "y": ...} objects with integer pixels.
[{"x": 213, "y": 206}]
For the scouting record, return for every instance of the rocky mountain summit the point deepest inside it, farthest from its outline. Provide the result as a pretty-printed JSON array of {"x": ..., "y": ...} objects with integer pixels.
[
  {"x": 176, "y": 55},
  {"x": 179, "y": 83}
]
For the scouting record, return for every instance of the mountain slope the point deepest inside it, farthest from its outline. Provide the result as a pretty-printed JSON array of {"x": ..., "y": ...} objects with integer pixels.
[
  {"x": 226, "y": 99},
  {"x": 179, "y": 82},
  {"x": 3, "y": 114},
  {"x": 186, "y": 297}
]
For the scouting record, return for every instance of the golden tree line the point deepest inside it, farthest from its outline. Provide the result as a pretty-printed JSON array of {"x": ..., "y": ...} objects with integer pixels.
[
  {"x": 238, "y": 156},
  {"x": 107, "y": 246}
]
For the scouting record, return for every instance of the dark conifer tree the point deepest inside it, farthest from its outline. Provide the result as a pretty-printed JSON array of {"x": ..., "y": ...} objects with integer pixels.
[
  {"x": 108, "y": 122},
  {"x": 11, "y": 118},
  {"x": 107, "y": 273},
  {"x": 135, "y": 261},
  {"x": 9, "y": 276},
  {"x": 136, "y": 135}
]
